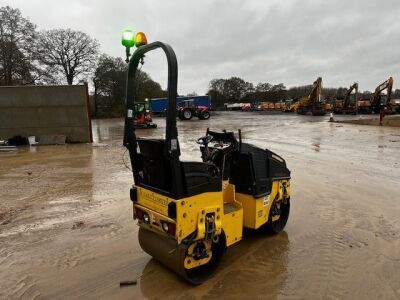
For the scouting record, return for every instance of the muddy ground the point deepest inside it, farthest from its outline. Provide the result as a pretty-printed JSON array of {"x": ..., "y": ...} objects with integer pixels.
[
  {"x": 67, "y": 231},
  {"x": 388, "y": 120}
]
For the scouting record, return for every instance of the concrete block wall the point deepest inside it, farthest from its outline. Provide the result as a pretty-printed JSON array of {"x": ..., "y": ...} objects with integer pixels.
[{"x": 44, "y": 110}]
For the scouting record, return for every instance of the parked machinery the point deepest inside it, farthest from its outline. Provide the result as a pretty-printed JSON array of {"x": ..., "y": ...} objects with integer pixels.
[
  {"x": 313, "y": 103},
  {"x": 379, "y": 100},
  {"x": 291, "y": 106},
  {"x": 267, "y": 105},
  {"x": 187, "y": 109},
  {"x": 349, "y": 105},
  {"x": 329, "y": 104},
  {"x": 142, "y": 116},
  {"x": 383, "y": 101},
  {"x": 364, "y": 106}
]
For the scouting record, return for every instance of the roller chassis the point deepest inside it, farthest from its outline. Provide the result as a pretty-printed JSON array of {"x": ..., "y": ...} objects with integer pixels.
[{"x": 189, "y": 212}]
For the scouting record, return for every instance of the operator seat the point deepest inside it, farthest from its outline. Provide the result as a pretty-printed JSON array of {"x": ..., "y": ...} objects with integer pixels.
[{"x": 155, "y": 171}]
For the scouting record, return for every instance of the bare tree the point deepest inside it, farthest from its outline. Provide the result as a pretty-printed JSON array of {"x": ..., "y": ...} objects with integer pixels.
[
  {"x": 17, "y": 35},
  {"x": 110, "y": 87},
  {"x": 68, "y": 52}
]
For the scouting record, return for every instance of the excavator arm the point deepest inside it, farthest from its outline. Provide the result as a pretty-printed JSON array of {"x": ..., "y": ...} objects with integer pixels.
[
  {"x": 314, "y": 102},
  {"x": 316, "y": 92},
  {"x": 352, "y": 88},
  {"x": 388, "y": 84}
]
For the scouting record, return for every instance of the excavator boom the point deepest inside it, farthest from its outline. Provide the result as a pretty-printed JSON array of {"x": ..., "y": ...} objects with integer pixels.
[
  {"x": 347, "y": 97},
  {"x": 314, "y": 102},
  {"x": 376, "y": 98}
]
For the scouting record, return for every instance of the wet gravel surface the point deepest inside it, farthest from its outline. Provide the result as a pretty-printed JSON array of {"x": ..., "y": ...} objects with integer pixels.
[{"x": 66, "y": 228}]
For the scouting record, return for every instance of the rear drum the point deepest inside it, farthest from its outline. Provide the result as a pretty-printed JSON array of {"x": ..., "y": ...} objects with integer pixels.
[{"x": 172, "y": 255}]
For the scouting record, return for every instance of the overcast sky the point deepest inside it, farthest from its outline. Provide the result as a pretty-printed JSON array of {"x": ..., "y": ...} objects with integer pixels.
[{"x": 292, "y": 42}]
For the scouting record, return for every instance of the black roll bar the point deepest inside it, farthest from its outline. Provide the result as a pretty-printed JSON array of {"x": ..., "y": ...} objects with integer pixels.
[{"x": 171, "y": 136}]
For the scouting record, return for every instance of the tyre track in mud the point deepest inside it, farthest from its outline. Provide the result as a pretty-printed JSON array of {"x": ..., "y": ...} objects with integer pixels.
[
  {"x": 82, "y": 253},
  {"x": 21, "y": 288},
  {"x": 103, "y": 230},
  {"x": 385, "y": 261},
  {"x": 74, "y": 255},
  {"x": 334, "y": 266},
  {"x": 262, "y": 269},
  {"x": 320, "y": 256},
  {"x": 105, "y": 282}
]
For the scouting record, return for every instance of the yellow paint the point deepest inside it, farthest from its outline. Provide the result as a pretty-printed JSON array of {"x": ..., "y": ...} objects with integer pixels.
[
  {"x": 328, "y": 106},
  {"x": 233, "y": 225},
  {"x": 190, "y": 262},
  {"x": 191, "y": 212},
  {"x": 256, "y": 211},
  {"x": 232, "y": 220},
  {"x": 229, "y": 193},
  {"x": 156, "y": 202}
]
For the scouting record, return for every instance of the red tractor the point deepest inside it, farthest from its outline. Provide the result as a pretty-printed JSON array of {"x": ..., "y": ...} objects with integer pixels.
[{"x": 187, "y": 109}]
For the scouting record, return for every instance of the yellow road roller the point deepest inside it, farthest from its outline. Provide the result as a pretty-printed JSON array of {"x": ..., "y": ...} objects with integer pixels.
[{"x": 190, "y": 212}]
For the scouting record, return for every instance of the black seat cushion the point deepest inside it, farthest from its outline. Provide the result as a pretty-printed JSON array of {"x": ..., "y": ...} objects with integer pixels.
[
  {"x": 201, "y": 177},
  {"x": 155, "y": 171}
]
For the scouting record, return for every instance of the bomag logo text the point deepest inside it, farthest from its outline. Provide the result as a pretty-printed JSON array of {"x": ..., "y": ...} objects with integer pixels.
[{"x": 154, "y": 198}]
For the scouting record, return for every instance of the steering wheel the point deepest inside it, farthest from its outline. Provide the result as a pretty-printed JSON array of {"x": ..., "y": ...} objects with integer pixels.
[
  {"x": 222, "y": 145},
  {"x": 204, "y": 140}
]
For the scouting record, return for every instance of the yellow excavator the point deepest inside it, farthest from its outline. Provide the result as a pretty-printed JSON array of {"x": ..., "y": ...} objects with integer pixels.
[
  {"x": 288, "y": 106},
  {"x": 349, "y": 105},
  {"x": 328, "y": 104},
  {"x": 291, "y": 106},
  {"x": 379, "y": 100},
  {"x": 190, "y": 212},
  {"x": 267, "y": 105},
  {"x": 314, "y": 102}
]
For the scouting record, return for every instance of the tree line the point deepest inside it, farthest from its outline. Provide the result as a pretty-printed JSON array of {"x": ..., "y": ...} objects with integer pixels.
[
  {"x": 64, "y": 56},
  {"x": 110, "y": 86},
  {"x": 29, "y": 56},
  {"x": 235, "y": 89}
]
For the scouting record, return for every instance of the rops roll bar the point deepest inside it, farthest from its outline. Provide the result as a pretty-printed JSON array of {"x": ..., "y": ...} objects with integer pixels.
[{"x": 171, "y": 137}]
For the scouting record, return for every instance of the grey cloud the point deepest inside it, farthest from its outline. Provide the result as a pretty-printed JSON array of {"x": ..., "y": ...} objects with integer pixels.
[{"x": 261, "y": 41}]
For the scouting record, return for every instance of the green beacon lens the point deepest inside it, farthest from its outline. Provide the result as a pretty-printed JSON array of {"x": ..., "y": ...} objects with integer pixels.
[{"x": 128, "y": 39}]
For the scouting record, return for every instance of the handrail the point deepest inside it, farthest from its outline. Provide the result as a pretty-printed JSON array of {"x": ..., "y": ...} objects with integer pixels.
[{"x": 171, "y": 137}]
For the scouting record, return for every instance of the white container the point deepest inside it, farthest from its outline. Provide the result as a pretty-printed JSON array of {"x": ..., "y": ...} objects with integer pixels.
[{"x": 32, "y": 140}]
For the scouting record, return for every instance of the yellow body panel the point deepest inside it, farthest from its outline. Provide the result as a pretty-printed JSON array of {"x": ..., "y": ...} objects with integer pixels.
[
  {"x": 190, "y": 263},
  {"x": 364, "y": 103},
  {"x": 256, "y": 211},
  {"x": 304, "y": 101},
  {"x": 232, "y": 219},
  {"x": 231, "y": 211},
  {"x": 328, "y": 106},
  {"x": 152, "y": 200},
  {"x": 293, "y": 106},
  {"x": 192, "y": 212},
  {"x": 233, "y": 225},
  {"x": 267, "y": 105},
  {"x": 339, "y": 103}
]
